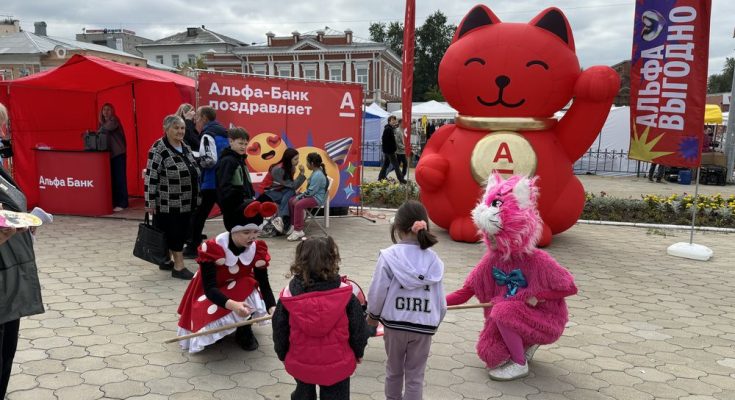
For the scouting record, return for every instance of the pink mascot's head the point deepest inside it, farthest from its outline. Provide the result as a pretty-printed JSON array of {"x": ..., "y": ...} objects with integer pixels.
[{"x": 507, "y": 216}]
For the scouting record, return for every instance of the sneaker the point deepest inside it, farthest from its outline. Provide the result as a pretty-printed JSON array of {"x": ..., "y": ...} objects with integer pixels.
[
  {"x": 278, "y": 224},
  {"x": 184, "y": 274},
  {"x": 509, "y": 372},
  {"x": 246, "y": 339},
  {"x": 530, "y": 352},
  {"x": 166, "y": 266},
  {"x": 289, "y": 231},
  {"x": 267, "y": 233},
  {"x": 118, "y": 209},
  {"x": 296, "y": 235},
  {"x": 190, "y": 252}
]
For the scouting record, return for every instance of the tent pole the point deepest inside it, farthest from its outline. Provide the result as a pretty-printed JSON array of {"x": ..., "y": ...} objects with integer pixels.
[
  {"x": 361, "y": 207},
  {"x": 135, "y": 125},
  {"x": 694, "y": 207}
]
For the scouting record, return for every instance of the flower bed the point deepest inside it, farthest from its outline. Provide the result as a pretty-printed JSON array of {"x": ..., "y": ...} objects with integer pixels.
[
  {"x": 388, "y": 193},
  {"x": 715, "y": 210}
]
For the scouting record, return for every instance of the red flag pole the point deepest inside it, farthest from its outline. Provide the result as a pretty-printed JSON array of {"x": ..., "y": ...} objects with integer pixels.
[{"x": 409, "y": 40}]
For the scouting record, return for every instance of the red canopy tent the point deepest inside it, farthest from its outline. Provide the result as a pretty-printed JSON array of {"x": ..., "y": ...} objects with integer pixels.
[{"x": 54, "y": 108}]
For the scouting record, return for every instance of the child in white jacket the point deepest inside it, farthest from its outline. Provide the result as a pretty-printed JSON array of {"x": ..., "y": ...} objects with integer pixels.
[{"x": 407, "y": 296}]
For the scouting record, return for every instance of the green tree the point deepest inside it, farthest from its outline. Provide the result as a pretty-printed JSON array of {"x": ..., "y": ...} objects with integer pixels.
[
  {"x": 719, "y": 83},
  {"x": 391, "y": 34},
  {"x": 432, "y": 40}
]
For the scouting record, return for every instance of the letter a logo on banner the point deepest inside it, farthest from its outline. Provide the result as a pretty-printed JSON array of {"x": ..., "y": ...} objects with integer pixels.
[{"x": 347, "y": 103}]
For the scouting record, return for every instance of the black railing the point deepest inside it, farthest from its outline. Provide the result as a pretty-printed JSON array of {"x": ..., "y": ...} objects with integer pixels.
[
  {"x": 602, "y": 162},
  {"x": 609, "y": 162},
  {"x": 372, "y": 154}
]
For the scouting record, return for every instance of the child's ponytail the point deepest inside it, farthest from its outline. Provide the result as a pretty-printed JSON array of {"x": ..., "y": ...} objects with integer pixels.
[
  {"x": 315, "y": 159},
  {"x": 412, "y": 217},
  {"x": 426, "y": 238}
]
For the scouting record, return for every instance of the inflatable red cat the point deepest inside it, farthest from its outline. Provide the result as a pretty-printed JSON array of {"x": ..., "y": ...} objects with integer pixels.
[{"x": 507, "y": 80}]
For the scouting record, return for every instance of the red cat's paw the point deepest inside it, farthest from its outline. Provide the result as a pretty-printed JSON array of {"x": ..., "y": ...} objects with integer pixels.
[
  {"x": 431, "y": 172},
  {"x": 464, "y": 230},
  {"x": 598, "y": 83}
]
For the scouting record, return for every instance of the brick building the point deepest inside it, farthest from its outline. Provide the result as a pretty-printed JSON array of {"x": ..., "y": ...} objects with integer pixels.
[
  {"x": 325, "y": 55},
  {"x": 623, "y": 70}
]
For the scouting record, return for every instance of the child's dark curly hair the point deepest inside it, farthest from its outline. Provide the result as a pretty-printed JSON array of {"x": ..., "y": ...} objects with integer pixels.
[{"x": 317, "y": 259}]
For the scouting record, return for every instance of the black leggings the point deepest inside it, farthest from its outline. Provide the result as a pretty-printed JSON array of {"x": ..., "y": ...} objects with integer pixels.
[
  {"x": 307, "y": 391},
  {"x": 8, "y": 345}
]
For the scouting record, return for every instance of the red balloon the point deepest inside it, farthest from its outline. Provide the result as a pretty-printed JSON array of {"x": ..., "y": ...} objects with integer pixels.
[{"x": 507, "y": 80}]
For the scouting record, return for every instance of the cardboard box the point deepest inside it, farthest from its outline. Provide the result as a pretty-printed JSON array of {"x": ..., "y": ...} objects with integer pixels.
[{"x": 714, "y": 158}]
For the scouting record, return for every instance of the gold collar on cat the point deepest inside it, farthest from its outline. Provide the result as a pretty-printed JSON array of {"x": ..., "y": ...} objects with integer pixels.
[{"x": 505, "y": 124}]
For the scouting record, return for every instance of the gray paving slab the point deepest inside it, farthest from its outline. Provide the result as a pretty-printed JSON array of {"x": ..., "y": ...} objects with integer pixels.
[{"x": 644, "y": 325}]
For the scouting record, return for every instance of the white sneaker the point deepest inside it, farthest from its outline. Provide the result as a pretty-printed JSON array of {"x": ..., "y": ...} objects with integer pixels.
[
  {"x": 289, "y": 231},
  {"x": 117, "y": 209},
  {"x": 278, "y": 224},
  {"x": 296, "y": 235},
  {"x": 509, "y": 372},
  {"x": 530, "y": 352}
]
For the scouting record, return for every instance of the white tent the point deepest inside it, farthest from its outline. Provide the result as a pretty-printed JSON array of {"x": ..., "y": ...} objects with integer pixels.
[
  {"x": 431, "y": 109},
  {"x": 609, "y": 152},
  {"x": 374, "y": 119},
  {"x": 376, "y": 110}
]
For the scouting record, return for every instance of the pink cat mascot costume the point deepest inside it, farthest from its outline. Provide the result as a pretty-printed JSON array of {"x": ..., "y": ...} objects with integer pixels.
[{"x": 526, "y": 285}]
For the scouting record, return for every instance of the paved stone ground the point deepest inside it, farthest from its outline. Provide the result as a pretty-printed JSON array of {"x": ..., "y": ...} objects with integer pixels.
[{"x": 644, "y": 325}]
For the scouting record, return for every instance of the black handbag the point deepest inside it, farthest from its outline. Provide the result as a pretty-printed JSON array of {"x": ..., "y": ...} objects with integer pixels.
[
  {"x": 150, "y": 245},
  {"x": 95, "y": 141}
]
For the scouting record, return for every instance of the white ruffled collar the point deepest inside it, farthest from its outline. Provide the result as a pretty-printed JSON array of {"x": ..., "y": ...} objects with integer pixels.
[{"x": 246, "y": 257}]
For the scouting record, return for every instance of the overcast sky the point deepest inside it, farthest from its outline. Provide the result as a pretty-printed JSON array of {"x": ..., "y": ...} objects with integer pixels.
[{"x": 602, "y": 28}]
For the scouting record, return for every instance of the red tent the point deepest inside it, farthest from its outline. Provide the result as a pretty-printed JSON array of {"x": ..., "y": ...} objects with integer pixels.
[{"x": 54, "y": 108}]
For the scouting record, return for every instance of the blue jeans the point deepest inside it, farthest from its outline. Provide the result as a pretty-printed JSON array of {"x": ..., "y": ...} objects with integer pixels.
[
  {"x": 119, "y": 181},
  {"x": 281, "y": 197}
]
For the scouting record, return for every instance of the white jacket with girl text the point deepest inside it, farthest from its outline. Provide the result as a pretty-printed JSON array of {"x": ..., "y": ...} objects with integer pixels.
[{"x": 407, "y": 291}]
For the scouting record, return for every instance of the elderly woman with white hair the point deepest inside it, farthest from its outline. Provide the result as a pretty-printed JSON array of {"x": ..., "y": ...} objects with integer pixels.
[
  {"x": 172, "y": 190},
  {"x": 20, "y": 290}
]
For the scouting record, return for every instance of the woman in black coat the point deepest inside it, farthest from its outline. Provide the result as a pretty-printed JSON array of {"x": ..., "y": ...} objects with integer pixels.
[{"x": 20, "y": 290}]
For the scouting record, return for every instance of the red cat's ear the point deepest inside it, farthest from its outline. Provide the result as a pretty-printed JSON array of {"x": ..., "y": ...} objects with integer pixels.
[
  {"x": 477, "y": 17},
  {"x": 554, "y": 21}
]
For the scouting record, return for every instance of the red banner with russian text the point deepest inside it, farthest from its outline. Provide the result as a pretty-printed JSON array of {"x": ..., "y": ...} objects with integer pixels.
[
  {"x": 668, "y": 81},
  {"x": 309, "y": 116}
]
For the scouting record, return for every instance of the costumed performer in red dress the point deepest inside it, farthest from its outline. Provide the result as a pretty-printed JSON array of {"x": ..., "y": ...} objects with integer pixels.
[{"x": 232, "y": 282}]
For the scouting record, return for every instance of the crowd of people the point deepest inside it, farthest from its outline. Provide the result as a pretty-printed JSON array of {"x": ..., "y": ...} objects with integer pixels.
[
  {"x": 393, "y": 146},
  {"x": 183, "y": 183},
  {"x": 231, "y": 289}
]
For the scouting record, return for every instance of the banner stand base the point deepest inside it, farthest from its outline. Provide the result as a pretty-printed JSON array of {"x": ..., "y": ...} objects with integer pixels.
[{"x": 690, "y": 250}]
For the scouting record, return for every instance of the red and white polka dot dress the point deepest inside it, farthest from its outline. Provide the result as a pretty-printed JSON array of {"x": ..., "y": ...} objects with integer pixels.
[{"x": 234, "y": 279}]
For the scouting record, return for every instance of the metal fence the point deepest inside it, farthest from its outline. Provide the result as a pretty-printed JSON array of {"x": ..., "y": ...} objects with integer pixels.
[
  {"x": 372, "y": 154},
  {"x": 609, "y": 162},
  {"x": 603, "y": 162}
]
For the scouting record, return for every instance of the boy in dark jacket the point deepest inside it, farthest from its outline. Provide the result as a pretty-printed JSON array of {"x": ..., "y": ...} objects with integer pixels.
[
  {"x": 232, "y": 177},
  {"x": 319, "y": 329},
  {"x": 208, "y": 126}
]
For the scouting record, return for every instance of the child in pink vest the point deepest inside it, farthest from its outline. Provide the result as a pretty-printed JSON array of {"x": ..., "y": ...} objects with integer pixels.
[{"x": 319, "y": 330}]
